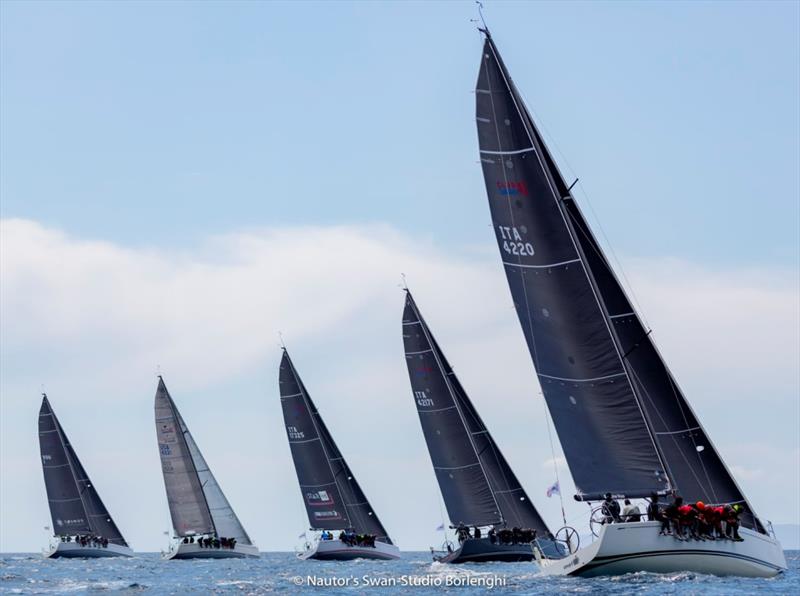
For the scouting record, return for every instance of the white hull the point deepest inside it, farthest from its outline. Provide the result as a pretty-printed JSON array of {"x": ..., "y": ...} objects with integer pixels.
[
  {"x": 73, "y": 550},
  {"x": 634, "y": 547},
  {"x": 195, "y": 551},
  {"x": 336, "y": 550}
]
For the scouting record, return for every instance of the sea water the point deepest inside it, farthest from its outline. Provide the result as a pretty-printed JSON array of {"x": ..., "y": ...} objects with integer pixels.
[{"x": 284, "y": 573}]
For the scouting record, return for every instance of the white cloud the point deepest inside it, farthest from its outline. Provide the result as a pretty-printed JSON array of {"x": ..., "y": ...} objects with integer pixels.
[{"x": 92, "y": 320}]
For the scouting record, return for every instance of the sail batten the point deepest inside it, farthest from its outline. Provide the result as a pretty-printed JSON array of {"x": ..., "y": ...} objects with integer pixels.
[
  {"x": 534, "y": 213},
  {"x": 476, "y": 482},
  {"x": 75, "y": 504},
  {"x": 319, "y": 464}
]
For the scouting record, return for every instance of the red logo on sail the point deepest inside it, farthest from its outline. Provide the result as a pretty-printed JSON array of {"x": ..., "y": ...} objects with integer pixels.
[{"x": 510, "y": 188}]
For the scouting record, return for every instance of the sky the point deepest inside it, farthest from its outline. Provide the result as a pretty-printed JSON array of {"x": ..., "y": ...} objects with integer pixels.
[{"x": 181, "y": 182}]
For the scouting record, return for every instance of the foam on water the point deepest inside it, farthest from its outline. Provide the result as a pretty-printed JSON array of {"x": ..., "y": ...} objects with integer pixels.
[{"x": 279, "y": 572}]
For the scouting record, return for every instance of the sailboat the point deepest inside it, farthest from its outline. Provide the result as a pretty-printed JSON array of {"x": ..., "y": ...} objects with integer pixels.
[
  {"x": 204, "y": 523},
  {"x": 82, "y": 526},
  {"x": 334, "y": 501},
  {"x": 478, "y": 486},
  {"x": 624, "y": 424}
]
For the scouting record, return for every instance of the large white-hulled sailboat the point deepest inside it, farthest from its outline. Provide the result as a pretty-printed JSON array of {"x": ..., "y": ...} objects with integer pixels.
[{"x": 623, "y": 422}]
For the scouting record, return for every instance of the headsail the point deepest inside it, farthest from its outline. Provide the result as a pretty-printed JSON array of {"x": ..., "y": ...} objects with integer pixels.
[
  {"x": 332, "y": 496},
  {"x": 75, "y": 505},
  {"x": 477, "y": 484},
  {"x": 196, "y": 501},
  {"x": 542, "y": 234}
]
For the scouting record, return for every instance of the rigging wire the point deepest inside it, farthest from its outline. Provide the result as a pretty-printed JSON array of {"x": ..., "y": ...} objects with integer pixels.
[{"x": 553, "y": 456}]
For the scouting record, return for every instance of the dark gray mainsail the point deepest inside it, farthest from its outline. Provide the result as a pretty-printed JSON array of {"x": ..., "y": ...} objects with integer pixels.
[
  {"x": 612, "y": 398},
  {"x": 478, "y": 486},
  {"x": 196, "y": 501},
  {"x": 75, "y": 505},
  {"x": 332, "y": 496}
]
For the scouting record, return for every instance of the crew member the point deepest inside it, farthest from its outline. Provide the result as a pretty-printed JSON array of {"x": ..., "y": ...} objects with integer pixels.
[{"x": 610, "y": 510}]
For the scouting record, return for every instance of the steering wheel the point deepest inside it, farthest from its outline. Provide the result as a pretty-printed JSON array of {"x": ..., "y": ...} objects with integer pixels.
[
  {"x": 569, "y": 536},
  {"x": 596, "y": 520}
]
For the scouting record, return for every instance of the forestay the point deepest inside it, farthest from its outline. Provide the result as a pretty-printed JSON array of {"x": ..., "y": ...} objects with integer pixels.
[
  {"x": 75, "y": 505},
  {"x": 332, "y": 497},
  {"x": 477, "y": 484}
]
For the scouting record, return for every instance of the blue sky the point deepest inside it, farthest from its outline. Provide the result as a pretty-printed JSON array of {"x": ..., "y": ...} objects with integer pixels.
[
  {"x": 179, "y": 181},
  {"x": 159, "y": 123}
]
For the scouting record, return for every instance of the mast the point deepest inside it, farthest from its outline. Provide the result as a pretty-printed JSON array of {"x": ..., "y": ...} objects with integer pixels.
[
  {"x": 332, "y": 496},
  {"x": 75, "y": 504},
  {"x": 435, "y": 388}
]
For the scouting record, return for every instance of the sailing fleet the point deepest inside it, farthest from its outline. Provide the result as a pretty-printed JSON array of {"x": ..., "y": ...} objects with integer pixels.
[{"x": 625, "y": 426}]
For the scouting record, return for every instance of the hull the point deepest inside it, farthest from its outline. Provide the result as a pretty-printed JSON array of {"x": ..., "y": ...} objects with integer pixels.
[
  {"x": 73, "y": 550},
  {"x": 195, "y": 551},
  {"x": 482, "y": 550},
  {"x": 336, "y": 550},
  {"x": 635, "y": 547}
]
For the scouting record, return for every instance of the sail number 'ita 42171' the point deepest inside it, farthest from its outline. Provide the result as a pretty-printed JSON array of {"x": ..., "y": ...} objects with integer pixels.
[{"x": 512, "y": 242}]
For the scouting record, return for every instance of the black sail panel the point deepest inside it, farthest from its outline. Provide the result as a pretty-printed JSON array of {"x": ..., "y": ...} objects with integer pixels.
[
  {"x": 462, "y": 480},
  {"x": 599, "y": 420},
  {"x": 695, "y": 467},
  {"x": 497, "y": 485},
  {"x": 331, "y": 494},
  {"x": 75, "y": 505}
]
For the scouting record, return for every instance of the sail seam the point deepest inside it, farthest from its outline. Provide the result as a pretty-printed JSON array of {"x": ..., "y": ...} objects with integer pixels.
[
  {"x": 582, "y": 380},
  {"x": 306, "y": 441},
  {"x": 420, "y": 352},
  {"x": 477, "y": 463},
  {"x": 514, "y": 152},
  {"x": 549, "y": 265},
  {"x": 436, "y": 410},
  {"x": 317, "y": 485},
  {"x": 677, "y": 432}
]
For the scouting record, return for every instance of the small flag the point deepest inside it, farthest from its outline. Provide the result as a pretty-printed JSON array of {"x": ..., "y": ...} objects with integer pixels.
[
  {"x": 440, "y": 528},
  {"x": 553, "y": 490}
]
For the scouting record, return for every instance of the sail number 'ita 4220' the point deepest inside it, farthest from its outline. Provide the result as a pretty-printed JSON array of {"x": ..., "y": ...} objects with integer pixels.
[{"x": 512, "y": 242}]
